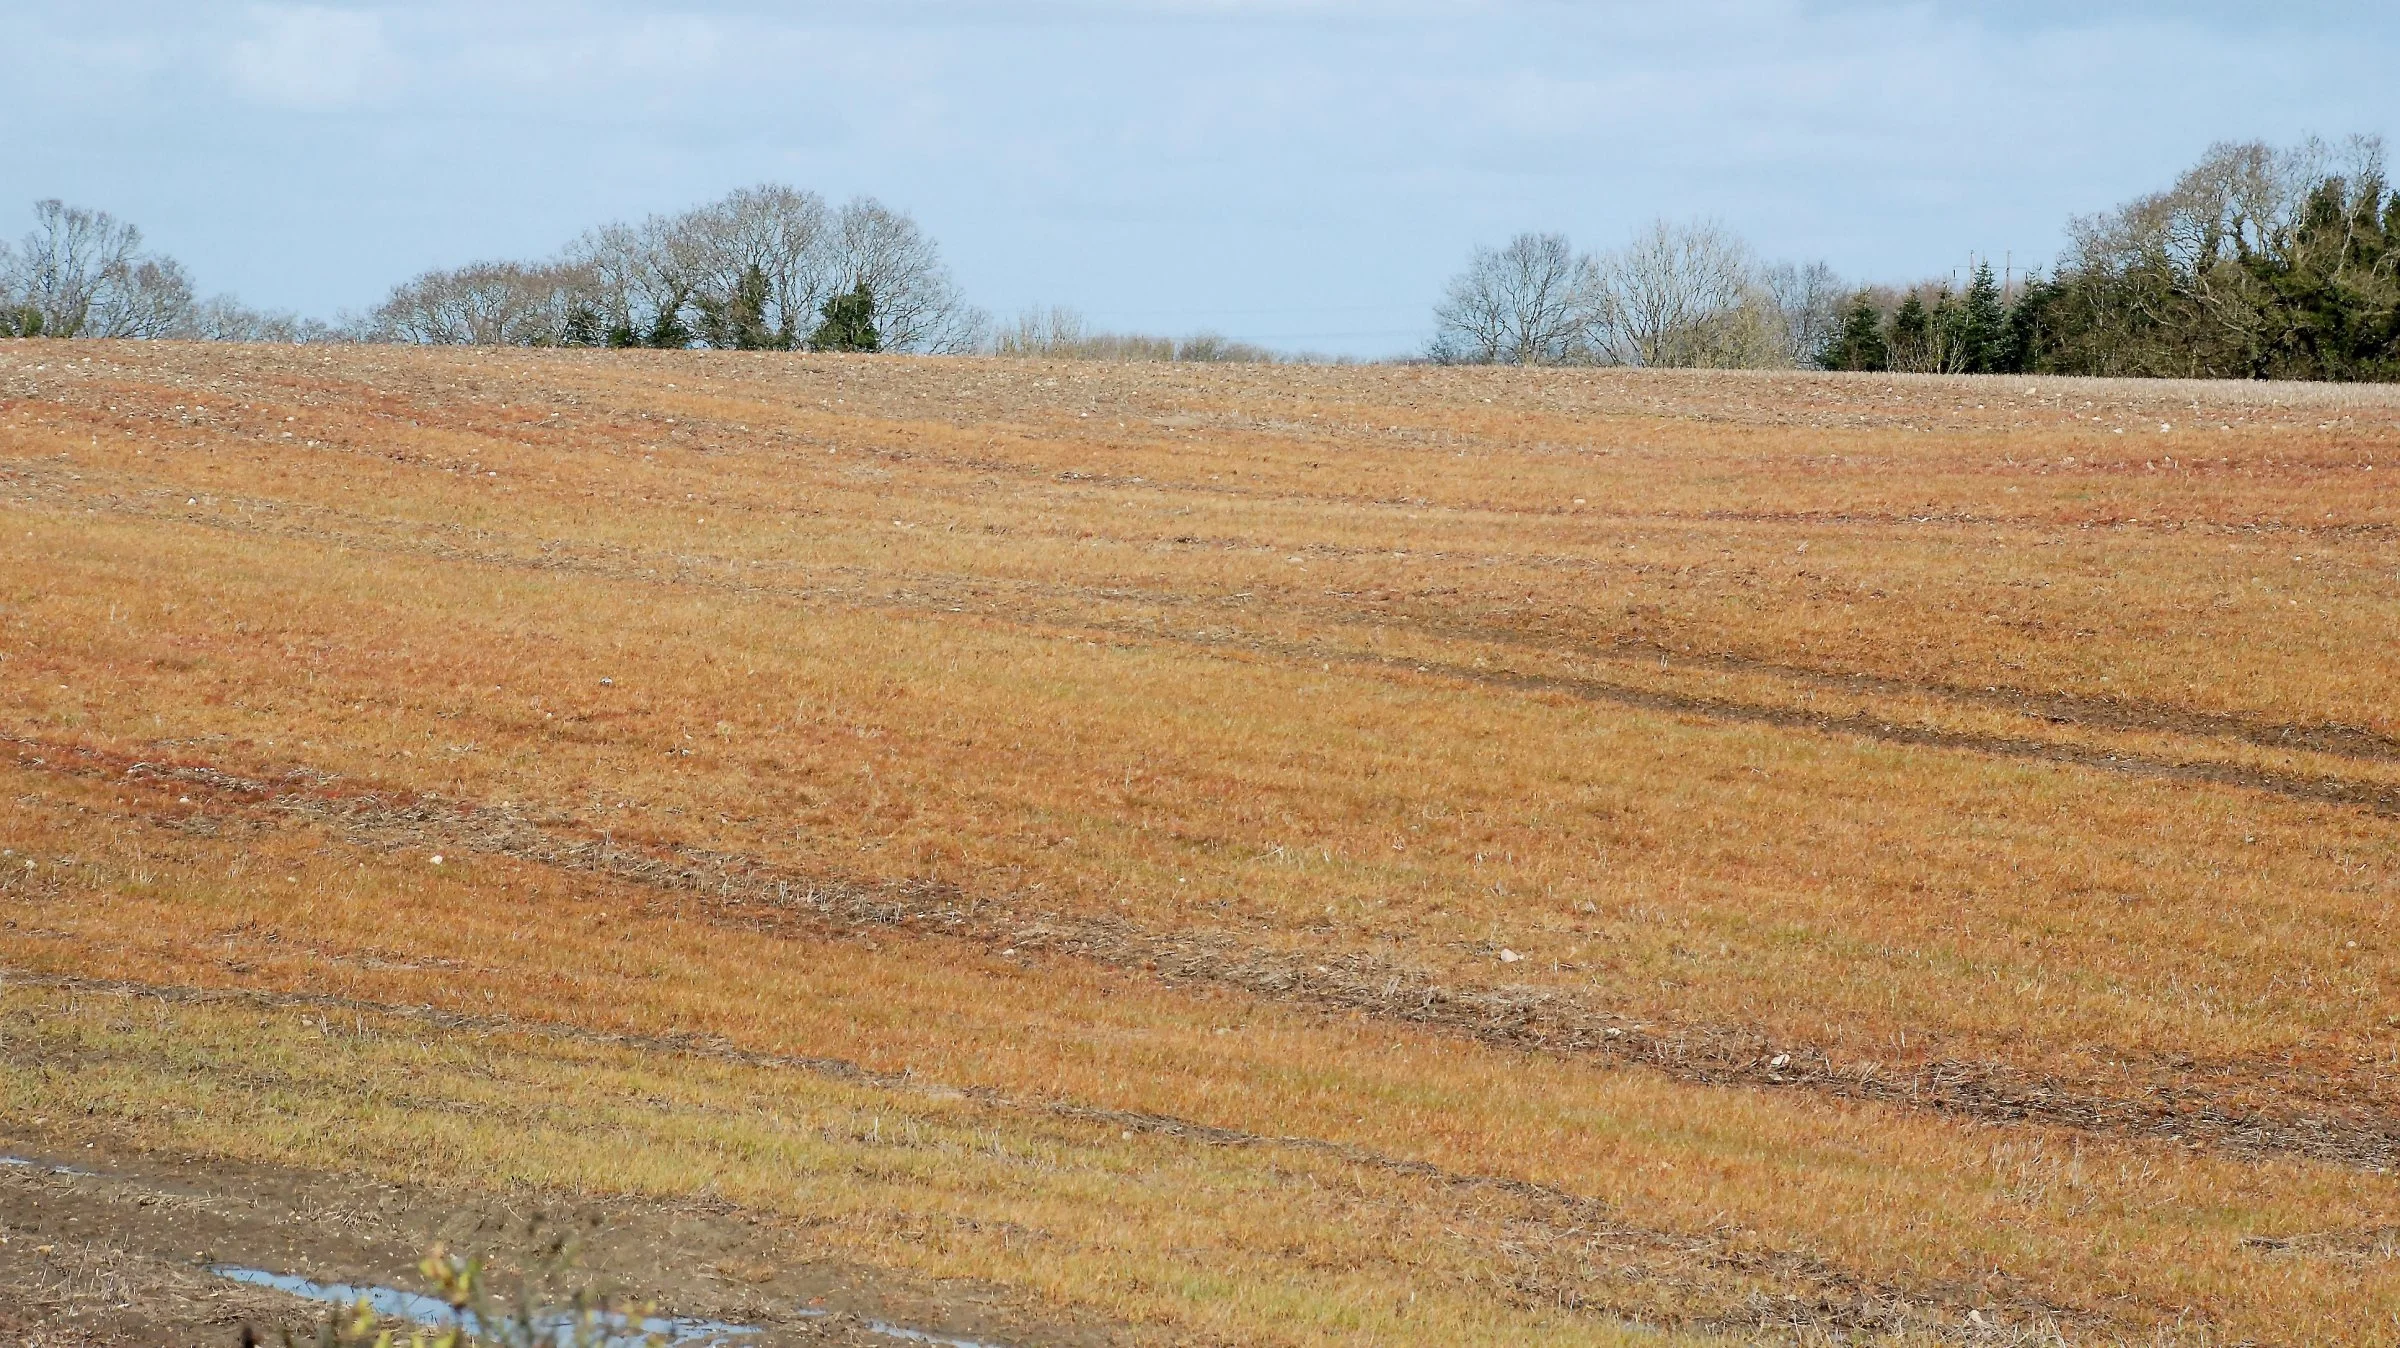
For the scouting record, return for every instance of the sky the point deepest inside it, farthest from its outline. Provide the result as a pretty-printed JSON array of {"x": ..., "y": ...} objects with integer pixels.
[{"x": 1302, "y": 173}]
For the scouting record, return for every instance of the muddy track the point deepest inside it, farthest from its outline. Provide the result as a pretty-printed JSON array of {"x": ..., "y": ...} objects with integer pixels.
[
  {"x": 2379, "y": 797},
  {"x": 119, "y": 1249},
  {"x": 1826, "y": 1296},
  {"x": 748, "y": 893}
]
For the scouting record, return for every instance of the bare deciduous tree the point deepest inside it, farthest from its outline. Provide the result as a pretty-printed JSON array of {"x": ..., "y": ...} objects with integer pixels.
[
  {"x": 82, "y": 273},
  {"x": 1215, "y": 347},
  {"x": 642, "y": 278},
  {"x": 69, "y": 261},
  {"x": 1808, "y": 305},
  {"x": 1686, "y": 294},
  {"x": 1534, "y": 302},
  {"x": 776, "y": 232},
  {"x": 1055, "y": 331},
  {"x": 676, "y": 280},
  {"x": 14, "y": 311},
  {"x": 153, "y": 300},
  {"x": 917, "y": 306},
  {"x": 223, "y": 318},
  {"x": 1062, "y": 334},
  {"x": 1679, "y": 294},
  {"x": 482, "y": 304}
]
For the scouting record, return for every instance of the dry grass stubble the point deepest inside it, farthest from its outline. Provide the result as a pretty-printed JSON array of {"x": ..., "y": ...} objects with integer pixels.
[{"x": 1917, "y": 725}]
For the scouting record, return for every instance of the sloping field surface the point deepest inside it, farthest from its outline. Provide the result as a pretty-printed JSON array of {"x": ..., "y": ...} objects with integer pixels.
[{"x": 1152, "y": 854}]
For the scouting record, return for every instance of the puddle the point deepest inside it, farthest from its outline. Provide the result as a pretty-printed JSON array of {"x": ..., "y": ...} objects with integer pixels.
[
  {"x": 23, "y": 1164},
  {"x": 392, "y": 1303}
]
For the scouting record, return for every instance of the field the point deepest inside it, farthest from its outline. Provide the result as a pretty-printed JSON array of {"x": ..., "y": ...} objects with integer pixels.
[{"x": 1120, "y": 854}]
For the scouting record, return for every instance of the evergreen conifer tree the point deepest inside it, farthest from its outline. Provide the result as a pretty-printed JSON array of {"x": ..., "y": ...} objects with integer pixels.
[
  {"x": 737, "y": 320},
  {"x": 1982, "y": 325},
  {"x": 1858, "y": 344},
  {"x": 849, "y": 323},
  {"x": 582, "y": 327},
  {"x": 750, "y": 330},
  {"x": 2028, "y": 328},
  {"x": 667, "y": 331},
  {"x": 1910, "y": 344}
]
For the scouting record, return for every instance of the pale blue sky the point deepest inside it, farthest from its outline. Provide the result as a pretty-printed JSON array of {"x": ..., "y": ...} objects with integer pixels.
[{"x": 1300, "y": 172}]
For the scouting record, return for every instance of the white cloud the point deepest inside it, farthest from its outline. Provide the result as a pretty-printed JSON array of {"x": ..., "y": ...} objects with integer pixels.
[{"x": 308, "y": 56}]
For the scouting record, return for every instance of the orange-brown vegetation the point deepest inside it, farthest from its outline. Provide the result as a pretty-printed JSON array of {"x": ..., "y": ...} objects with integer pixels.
[{"x": 1292, "y": 855}]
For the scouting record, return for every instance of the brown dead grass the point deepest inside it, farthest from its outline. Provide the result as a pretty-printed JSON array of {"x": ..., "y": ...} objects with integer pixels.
[{"x": 1906, "y": 725}]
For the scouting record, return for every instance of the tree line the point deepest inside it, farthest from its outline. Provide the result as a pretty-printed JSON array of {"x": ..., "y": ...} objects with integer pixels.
[
  {"x": 2259, "y": 263},
  {"x": 764, "y": 268},
  {"x": 85, "y": 273},
  {"x": 1678, "y": 294},
  {"x": 769, "y": 268}
]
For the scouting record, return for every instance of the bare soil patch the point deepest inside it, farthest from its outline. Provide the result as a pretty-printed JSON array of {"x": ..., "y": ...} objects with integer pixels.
[{"x": 105, "y": 1246}]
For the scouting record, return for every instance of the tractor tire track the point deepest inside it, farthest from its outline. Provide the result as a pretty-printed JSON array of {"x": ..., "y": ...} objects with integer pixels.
[
  {"x": 973, "y": 598},
  {"x": 745, "y": 892}
]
